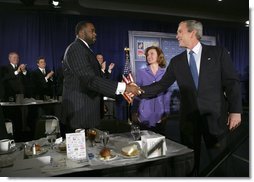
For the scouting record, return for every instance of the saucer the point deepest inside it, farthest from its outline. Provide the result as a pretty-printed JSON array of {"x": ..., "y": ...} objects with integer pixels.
[
  {"x": 13, "y": 149},
  {"x": 6, "y": 161},
  {"x": 112, "y": 157}
]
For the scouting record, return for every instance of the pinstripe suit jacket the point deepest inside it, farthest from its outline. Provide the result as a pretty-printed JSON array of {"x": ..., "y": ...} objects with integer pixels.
[
  {"x": 218, "y": 90},
  {"x": 83, "y": 87}
]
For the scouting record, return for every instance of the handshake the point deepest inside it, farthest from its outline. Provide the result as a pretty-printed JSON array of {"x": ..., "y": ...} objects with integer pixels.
[{"x": 132, "y": 90}]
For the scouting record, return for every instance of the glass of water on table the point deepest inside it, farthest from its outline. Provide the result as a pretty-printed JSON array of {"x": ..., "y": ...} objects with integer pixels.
[
  {"x": 104, "y": 138},
  {"x": 135, "y": 132}
]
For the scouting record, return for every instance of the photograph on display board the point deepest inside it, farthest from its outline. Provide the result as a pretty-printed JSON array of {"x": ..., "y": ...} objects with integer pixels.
[{"x": 141, "y": 44}]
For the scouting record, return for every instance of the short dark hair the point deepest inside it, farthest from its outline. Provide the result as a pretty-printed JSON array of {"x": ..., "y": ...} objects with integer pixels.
[
  {"x": 99, "y": 54},
  {"x": 39, "y": 58},
  {"x": 80, "y": 25}
]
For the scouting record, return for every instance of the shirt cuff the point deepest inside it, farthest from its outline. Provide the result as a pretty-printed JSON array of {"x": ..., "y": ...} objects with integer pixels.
[
  {"x": 16, "y": 72},
  {"x": 120, "y": 88},
  {"x": 109, "y": 70}
]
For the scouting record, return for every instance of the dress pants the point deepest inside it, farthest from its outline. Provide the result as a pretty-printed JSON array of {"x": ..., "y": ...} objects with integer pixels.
[{"x": 206, "y": 147}]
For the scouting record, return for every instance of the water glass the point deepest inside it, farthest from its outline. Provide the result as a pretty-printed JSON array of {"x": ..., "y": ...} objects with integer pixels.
[
  {"x": 91, "y": 134},
  {"x": 135, "y": 132},
  {"x": 104, "y": 138},
  {"x": 51, "y": 139}
]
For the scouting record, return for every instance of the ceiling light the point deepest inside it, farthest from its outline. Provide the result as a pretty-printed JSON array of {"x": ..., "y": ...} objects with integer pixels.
[
  {"x": 247, "y": 23},
  {"x": 56, "y": 3}
]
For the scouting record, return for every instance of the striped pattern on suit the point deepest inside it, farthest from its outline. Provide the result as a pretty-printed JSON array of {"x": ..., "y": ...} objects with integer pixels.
[{"x": 83, "y": 87}]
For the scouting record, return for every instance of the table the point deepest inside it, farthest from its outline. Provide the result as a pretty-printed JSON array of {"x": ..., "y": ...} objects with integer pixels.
[
  {"x": 178, "y": 161},
  {"x": 25, "y": 115}
]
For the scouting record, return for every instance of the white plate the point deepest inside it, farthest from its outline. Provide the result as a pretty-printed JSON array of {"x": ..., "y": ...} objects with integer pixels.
[
  {"x": 40, "y": 152},
  {"x": 112, "y": 157},
  {"x": 13, "y": 149},
  {"x": 130, "y": 156}
]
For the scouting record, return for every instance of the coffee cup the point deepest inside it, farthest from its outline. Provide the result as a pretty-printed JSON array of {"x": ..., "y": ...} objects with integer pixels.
[{"x": 6, "y": 145}]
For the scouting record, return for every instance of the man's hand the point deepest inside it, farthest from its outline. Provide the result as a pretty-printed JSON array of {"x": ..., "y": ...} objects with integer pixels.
[
  {"x": 50, "y": 74},
  {"x": 22, "y": 68},
  {"x": 111, "y": 66},
  {"x": 103, "y": 66},
  {"x": 133, "y": 89},
  {"x": 234, "y": 120}
]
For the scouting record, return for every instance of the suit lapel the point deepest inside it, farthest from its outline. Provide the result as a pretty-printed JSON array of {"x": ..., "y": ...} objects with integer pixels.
[{"x": 92, "y": 57}]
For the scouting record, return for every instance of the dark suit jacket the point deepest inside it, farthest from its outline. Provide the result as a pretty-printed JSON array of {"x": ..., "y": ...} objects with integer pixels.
[
  {"x": 2, "y": 86},
  {"x": 106, "y": 74},
  {"x": 83, "y": 86},
  {"x": 41, "y": 87},
  {"x": 3, "y": 132},
  {"x": 218, "y": 90},
  {"x": 59, "y": 81},
  {"x": 14, "y": 84}
]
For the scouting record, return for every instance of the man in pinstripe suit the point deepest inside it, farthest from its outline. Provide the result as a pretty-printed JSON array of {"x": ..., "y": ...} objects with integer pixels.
[{"x": 83, "y": 84}]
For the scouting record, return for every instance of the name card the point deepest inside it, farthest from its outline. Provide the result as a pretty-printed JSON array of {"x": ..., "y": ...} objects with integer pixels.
[
  {"x": 153, "y": 145},
  {"x": 76, "y": 146}
]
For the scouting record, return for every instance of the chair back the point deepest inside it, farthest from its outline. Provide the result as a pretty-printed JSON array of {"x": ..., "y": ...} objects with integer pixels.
[{"x": 47, "y": 124}]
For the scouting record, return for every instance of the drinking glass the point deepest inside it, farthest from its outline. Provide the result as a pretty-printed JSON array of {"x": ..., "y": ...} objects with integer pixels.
[
  {"x": 104, "y": 138},
  {"x": 91, "y": 134},
  {"x": 135, "y": 132},
  {"x": 51, "y": 137}
]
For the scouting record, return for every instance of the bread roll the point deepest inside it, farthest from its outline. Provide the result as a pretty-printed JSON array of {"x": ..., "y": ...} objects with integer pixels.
[
  {"x": 105, "y": 153},
  {"x": 37, "y": 147}
]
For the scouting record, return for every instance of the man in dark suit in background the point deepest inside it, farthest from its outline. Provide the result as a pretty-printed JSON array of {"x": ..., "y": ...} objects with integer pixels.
[
  {"x": 15, "y": 77},
  {"x": 105, "y": 72},
  {"x": 42, "y": 79},
  {"x": 83, "y": 84},
  {"x": 2, "y": 86},
  {"x": 211, "y": 108}
]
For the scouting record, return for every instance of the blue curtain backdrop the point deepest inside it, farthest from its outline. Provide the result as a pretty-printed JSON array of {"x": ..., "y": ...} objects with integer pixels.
[{"x": 40, "y": 34}]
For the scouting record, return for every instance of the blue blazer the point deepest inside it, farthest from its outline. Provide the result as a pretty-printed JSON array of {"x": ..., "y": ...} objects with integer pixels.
[
  {"x": 83, "y": 87},
  {"x": 218, "y": 91}
]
